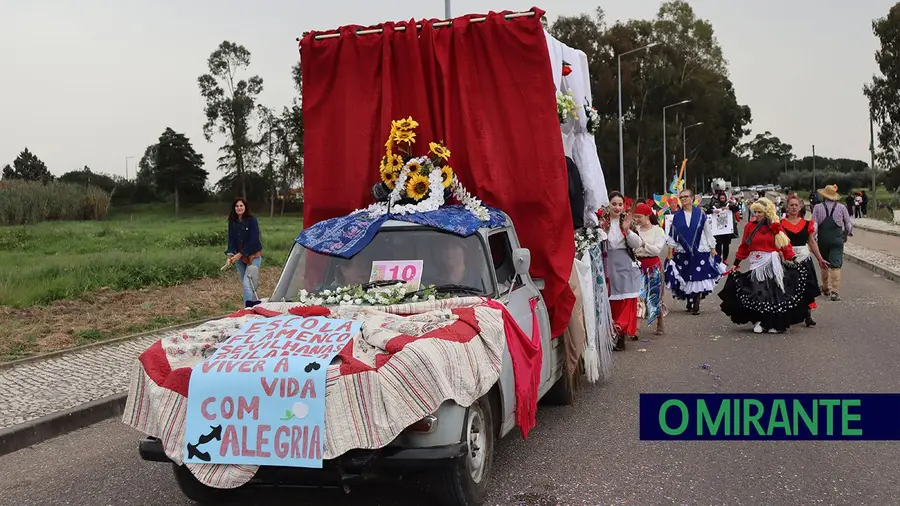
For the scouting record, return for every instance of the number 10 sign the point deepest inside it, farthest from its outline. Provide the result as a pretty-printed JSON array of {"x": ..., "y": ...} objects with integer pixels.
[{"x": 409, "y": 271}]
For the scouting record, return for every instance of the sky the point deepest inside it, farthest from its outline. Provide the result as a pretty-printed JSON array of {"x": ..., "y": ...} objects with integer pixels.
[{"x": 93, "y": 82}]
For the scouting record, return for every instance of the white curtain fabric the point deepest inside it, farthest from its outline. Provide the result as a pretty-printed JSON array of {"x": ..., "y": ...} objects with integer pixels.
[{"x": 579, "y": 144}]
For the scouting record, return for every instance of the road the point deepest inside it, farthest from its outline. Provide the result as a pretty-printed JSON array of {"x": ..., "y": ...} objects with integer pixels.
[{"x": 590, "y": 453}]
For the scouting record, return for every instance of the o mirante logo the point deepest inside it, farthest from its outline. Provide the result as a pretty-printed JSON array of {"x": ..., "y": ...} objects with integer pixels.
[{"x": 769, "y": 417}]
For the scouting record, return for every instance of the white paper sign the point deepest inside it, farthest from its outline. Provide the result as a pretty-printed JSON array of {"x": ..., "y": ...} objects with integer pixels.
[
  {"x": 668, "y": 222},
  {"x": 722, "y": 223}
]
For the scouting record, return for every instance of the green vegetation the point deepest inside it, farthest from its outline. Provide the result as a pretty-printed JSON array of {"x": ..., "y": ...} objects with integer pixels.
[
  {"x": 23, "y": 202},
  {"x": 133, "y": 249}
]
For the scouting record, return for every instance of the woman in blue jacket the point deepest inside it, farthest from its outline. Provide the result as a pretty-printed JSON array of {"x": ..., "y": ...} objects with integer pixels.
[{"x": 244, "y": 246}]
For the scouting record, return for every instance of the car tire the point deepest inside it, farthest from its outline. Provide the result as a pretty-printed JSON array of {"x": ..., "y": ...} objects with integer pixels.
[
  {"x": 465, "y": 483},
  {"x": 198, "y": 492}
]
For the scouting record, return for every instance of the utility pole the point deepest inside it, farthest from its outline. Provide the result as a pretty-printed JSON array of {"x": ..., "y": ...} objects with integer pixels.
[
  {"x": 126, "y": 166},
  {"x": 446, "y": 9},
  {"x": 872, "y": 153},
  {"x": 814, "y": 168}
]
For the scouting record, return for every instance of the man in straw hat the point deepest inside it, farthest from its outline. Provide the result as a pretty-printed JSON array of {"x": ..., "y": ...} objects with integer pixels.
[{"x": 833, "y": 226}]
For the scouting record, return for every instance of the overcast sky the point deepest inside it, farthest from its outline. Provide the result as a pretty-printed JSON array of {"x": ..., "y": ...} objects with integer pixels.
[{"x": 91, "y": 82}]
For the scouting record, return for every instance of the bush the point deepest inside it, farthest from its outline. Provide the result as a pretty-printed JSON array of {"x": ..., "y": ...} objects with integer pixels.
[
  {"x": 26, "y": 202},
  {"x": 803, "y": 180}
]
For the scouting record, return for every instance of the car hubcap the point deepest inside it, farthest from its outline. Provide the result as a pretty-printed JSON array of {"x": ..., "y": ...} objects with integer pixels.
[{"x": 477, "y": 441}]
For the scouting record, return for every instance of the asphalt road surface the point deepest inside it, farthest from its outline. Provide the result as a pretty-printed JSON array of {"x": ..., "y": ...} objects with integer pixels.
[{"x": 589, "y": 453}]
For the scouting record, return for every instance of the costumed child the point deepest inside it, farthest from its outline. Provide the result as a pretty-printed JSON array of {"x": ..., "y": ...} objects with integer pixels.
[
  {"x": 774, "y": 293},
  {"x": 650, "y": 306}
]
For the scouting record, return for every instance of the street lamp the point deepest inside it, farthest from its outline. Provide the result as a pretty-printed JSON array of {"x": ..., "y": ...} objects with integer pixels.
[
  {"x": 665, "y": 158},
  {"x": 684, "y": 143},
  {"x": 126, "y": 166},
  {"x": 446, "y": 9},
  {"x": 621, "y": 119}
]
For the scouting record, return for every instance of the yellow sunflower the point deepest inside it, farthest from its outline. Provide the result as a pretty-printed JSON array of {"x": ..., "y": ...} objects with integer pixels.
[
  {"x": 446, "y": 175},
  {"x": 389, "y": 178},
  {"x": 394, "y": 163},
  {"x": 417, "y": 187},
  {"x": 404, "y": 124},
  {"x": 439, "y": 151},
  {"x": 414, "y": 168},
  {"x": 403, "y": 136}
]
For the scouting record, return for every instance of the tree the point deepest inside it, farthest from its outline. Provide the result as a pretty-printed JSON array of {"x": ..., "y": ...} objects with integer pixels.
[
  {"x": 29, "y": 167},
  {"x": 884, "y": 92},
  {"x": 767, "y": 146},
  {"x": 177, "y": 168},
  {"x": 689, "y": 65},
  {"x": 230, "y": 102}
]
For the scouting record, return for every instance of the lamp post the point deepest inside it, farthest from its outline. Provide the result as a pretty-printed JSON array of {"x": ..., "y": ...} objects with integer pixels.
[
  {"x": 872, "y": 153},
  {"x": 684, "y": 144},
  {"x": 446, "y": 9},
  {"x": 126, "y": 166},
  {"x": 814, "y": 167},
  {"x": 665, "y": 157},
  {"x": 621, "y": 119}
]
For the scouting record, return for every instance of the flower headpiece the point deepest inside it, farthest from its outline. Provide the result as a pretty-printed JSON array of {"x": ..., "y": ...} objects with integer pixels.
[{"x": 412, "y": 184}]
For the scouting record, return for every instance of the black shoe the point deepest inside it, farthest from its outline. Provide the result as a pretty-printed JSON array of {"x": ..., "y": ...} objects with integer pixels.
[
  {"x": 690, "y": 306},
  {"x": 810, "y": 322},
  {"x": 620, "y": 344}
]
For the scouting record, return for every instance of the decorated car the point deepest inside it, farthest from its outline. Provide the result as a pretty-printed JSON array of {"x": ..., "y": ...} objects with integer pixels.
[{"x": 410, "y": 332}]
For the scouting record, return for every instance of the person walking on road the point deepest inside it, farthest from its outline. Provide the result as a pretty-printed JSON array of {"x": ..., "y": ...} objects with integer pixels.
[
  {"x": 833, "y": 227},
  {"x": 802, "y": 234},
  {"x": 721, "y": 204},
  {"x": 864, "y": 204},
  {"x": 651, "y": 306},
  {"x": 624, "y": 271},
  {"x": 773, "y": 294},
  {"x": 245, "y": 249},
  {"x": 692, "y": 271}
]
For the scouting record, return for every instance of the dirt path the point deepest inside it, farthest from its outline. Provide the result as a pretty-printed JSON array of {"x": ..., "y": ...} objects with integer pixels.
[{"x": 107, "y": 314}]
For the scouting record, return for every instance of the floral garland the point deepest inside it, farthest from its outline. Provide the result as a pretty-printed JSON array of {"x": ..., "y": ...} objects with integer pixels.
[
  {"x": 417, "y": 184},
  {"x": 356, "y": 295},
  {"x": 566, "y": 107},
  {"x": 587, "y": 238},
  {"x": 593, "y": 119}
]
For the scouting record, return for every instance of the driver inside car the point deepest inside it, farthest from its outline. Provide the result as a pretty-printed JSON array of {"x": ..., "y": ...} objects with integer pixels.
[{"x": 354, "y": 271}]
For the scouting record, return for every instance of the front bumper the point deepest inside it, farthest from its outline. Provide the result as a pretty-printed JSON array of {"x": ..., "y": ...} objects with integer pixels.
[{"x": 370, "y": 465}]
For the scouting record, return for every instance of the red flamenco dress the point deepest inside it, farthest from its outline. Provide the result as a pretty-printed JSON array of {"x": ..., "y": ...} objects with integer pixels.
[{"x": 774, "y": 292}]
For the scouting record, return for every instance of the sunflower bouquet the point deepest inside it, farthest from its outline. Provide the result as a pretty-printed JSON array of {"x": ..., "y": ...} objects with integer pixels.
[{"x": 411, "y": 184}]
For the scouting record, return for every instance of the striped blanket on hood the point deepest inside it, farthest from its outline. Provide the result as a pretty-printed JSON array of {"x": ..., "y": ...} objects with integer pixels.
[{"x": 455, "y": 347}]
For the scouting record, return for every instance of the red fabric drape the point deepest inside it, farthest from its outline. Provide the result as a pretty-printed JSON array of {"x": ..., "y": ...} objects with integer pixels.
[{"x": 484, "y": 88}]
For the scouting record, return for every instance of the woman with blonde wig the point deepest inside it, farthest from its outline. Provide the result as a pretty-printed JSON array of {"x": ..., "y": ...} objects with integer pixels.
[{"x": 774, "y": 293}]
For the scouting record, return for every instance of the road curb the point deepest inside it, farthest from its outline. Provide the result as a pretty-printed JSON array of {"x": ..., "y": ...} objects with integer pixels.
[
  {"x": 53, "y": 354},
  {"x": 877, "y": 269},
  {"x": 56, "y": 424},
  {"x": 877, "y": 231}
]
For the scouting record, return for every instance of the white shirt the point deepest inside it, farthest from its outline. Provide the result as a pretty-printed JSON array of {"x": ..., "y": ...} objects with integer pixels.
[
  {"x": 707, "y": 240},
  {"x": 654, "y": 242},
  {"x": 618, "y": 241}
]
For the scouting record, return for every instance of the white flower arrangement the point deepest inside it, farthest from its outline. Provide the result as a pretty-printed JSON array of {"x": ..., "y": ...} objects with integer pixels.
[
  {"x": 593, "y": 119},
  {"x": 587, "y": 238},
  {"x": 355, "y": 295},
  {"x": 471, "y": 203},
  {"x": 566, "y": 107}
]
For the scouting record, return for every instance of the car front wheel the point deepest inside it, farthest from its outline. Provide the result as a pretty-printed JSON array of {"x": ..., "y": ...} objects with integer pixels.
[{"x": 466, "y": 482}]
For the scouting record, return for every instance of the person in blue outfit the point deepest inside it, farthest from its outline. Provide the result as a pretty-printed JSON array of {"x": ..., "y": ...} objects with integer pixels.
[
  {"x": 244, "y": 248},
  {"x": 693, "y": 269}
]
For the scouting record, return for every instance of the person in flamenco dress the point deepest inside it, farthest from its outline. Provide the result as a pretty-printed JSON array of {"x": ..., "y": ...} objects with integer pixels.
[
  {"x": 802, "y": 233},
  {"x": 774, "y": 293}
]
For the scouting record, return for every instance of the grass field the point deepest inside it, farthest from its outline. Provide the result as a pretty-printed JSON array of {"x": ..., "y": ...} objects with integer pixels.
[
  {"x": 131, "y": 250},
  {"x": 68, "y": 283}
]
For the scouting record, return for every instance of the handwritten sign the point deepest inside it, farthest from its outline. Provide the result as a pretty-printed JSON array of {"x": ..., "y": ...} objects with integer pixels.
[
  {"x": 260, "y": 398},
  {"x": 405, "y": 270}
]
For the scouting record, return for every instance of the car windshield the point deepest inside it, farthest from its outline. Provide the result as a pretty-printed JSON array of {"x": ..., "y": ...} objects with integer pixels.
[{"x": 415, "y": 255}]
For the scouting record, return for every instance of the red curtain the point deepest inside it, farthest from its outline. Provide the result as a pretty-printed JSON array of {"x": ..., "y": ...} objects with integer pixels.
[{"x": 483, "y": 88}]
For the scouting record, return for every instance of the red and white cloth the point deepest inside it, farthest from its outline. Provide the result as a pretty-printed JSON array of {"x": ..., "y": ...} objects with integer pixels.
[{"x": 407, "y": 361}]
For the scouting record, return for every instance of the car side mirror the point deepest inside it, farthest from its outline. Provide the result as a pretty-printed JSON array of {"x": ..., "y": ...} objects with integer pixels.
[{"x": 522, "y": 260}]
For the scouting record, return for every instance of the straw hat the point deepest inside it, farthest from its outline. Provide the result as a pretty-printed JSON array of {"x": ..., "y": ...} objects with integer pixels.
[{"x": 830, "y": 192}]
